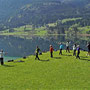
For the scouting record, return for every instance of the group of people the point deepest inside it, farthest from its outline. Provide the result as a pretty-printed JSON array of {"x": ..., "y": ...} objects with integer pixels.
[
  {"x": 75, "y": 48},
  {"x": 37, "y": 52}
]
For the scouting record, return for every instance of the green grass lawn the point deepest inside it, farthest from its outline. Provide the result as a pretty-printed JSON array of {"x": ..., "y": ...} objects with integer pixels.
[{"x": 59, "y": 73}]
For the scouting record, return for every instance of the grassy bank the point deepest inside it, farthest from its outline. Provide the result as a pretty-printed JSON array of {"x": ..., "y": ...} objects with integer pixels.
[{"x": 61, "y": 72}]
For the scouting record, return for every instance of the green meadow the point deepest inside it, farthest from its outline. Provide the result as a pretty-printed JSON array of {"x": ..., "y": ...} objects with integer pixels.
[
  {"x": 58, "y": 73},
  {"x": 25, "y": 31}
]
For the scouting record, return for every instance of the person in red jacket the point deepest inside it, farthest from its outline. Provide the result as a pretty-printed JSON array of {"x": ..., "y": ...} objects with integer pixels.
[{"x": 51, "y": 51}]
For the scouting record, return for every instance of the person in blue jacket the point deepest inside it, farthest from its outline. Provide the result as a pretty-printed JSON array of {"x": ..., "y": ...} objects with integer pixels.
[{"x": 61, "y": 48}]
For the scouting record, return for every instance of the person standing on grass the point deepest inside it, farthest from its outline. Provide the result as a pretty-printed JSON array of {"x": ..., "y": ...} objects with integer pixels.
[
  {"x": 37, "y": 52},
  {"x": 51, "y": 51},
  {"x": 78, "y": 52},
  {"x": 88, "y": 46},
  {"x": 67, "y": 46},
  {"x": 74, "y": 49},
  {"x": 61, "y": 47},
  {"x": 2, "y": 57}
]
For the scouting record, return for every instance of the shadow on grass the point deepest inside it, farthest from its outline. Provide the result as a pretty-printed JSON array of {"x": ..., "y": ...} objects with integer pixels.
[
  {"x": 83, "y": 56},
  {"x": 44, "y": 60},
  {"x": 18, "y": 61},
  {"x": 84, "y": 59},
  {"x": 66, "y": 55},
  {"x": 7, "y": 65},
  {"x": 57, "y": 57}
]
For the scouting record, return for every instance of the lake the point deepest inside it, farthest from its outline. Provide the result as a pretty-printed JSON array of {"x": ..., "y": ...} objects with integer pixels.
[{"x": 20, "y": 46}]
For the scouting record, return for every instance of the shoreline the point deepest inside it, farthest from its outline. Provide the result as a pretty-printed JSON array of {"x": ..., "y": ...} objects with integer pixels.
[{"x": 6, "y": 58}]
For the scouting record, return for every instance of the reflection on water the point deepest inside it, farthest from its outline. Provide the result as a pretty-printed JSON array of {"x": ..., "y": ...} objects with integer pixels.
[{"x": 23, "y": 46}]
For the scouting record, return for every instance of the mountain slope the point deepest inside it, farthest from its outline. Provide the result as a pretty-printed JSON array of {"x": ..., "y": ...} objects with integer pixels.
[
  {"x": 43, "y": 12},
  {"x": 20, "y": 12}
]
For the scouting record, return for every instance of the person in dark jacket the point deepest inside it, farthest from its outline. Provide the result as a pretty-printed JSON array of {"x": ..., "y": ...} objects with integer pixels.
[
  {"x": 78, "y": 52},
  {"x": 37, "y": 52}
]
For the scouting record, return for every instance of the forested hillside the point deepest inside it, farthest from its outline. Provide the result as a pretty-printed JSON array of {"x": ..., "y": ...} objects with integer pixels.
[
  {"x": 16, "y": 13},
  {"x": 48, "y": 11}
]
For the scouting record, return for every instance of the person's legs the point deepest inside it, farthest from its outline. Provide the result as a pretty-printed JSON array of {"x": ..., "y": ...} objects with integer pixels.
[
  {"x": 74, "y": 53},
  {"x": 61, "y": 51},
  {"x": 68, "y": 50},
  {"x": 78, "y": 55},
  {"x": 36, "y": 56},
  {"x": 2, "y": 61},
  {"x": 89, "y": 52},
  {"x": 51, "y": 54}
]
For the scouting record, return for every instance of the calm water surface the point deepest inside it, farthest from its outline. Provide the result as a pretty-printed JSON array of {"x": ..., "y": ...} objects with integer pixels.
[{"x": 25, "y": 45}]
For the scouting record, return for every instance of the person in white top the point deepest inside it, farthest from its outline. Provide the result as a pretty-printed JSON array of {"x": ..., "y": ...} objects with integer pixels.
[
  {"x": 74, "y": 49},
  {"x": 67, "y": 46},
  {"x": 2, "y": 57}
]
